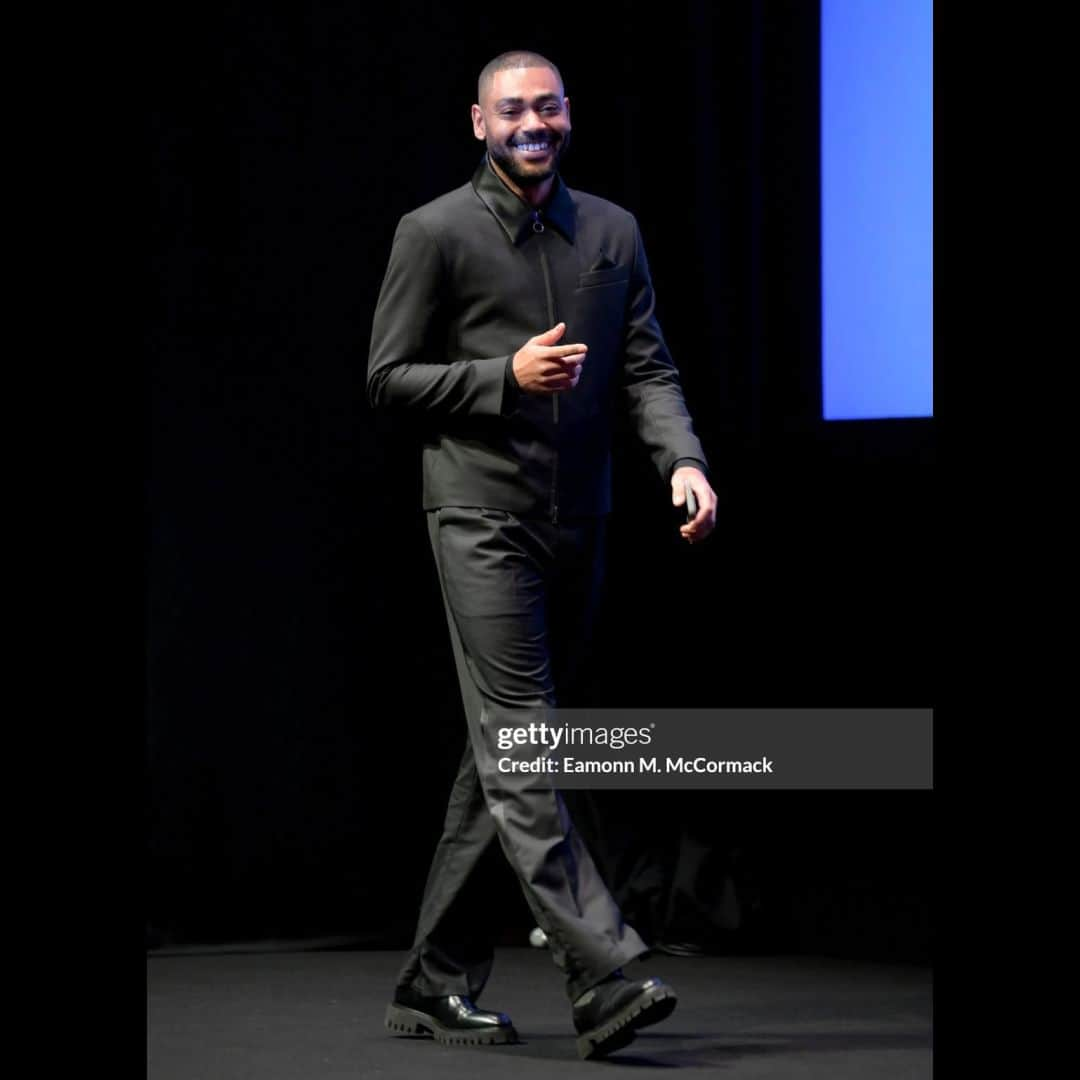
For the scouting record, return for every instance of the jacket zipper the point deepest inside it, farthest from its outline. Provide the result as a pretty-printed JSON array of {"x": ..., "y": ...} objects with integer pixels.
[{"x": 538, "y": 227}]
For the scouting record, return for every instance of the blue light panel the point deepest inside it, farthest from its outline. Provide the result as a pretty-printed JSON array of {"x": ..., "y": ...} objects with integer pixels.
[{"x": 877, "y": 211}]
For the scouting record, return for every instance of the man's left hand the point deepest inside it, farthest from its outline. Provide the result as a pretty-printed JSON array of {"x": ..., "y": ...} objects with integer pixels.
[{"x": 705, "y": 520}]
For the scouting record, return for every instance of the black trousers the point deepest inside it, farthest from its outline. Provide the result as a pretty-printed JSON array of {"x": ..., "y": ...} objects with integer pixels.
[{"x": 521, "y": 597}]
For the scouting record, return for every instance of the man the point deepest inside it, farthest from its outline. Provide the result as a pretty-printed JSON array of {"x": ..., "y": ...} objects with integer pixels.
[{"x": 514, "y": 317}]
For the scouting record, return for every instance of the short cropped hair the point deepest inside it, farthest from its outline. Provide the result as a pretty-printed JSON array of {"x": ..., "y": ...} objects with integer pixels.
[{"x": 519, "y": 58}]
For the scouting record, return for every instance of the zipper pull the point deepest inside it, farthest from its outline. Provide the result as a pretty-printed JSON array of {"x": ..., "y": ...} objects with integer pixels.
[{"x": 537, "y": 225}]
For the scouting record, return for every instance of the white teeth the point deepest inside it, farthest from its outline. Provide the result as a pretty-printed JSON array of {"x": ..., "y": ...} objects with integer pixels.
[{"x": 532, "y": 146}]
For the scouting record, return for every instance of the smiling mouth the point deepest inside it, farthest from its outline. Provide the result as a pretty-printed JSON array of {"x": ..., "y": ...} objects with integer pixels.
[{"x": 532, "y": 148}]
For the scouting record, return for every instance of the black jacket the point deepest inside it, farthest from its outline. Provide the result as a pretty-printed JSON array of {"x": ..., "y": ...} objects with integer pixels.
[{"x": 472, "y": 276}]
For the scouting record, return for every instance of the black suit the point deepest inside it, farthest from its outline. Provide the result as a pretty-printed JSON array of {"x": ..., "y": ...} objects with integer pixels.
[{"x": 517, "y": 487}]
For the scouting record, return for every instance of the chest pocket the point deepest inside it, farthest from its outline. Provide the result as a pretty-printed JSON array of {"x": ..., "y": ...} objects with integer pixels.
[
  {"x": 599, "y": 319},
  {"x": 593, "y": 279}
]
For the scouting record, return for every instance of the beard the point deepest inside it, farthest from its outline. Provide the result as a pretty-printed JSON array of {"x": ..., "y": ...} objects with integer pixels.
[{"x": 524, "y": 173}]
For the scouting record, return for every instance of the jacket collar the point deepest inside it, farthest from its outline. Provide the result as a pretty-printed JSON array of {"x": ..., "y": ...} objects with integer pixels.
[{"x": 514, "y": 214}]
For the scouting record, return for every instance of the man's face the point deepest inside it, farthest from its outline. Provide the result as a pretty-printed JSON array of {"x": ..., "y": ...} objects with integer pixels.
[{"x": 525, "y": 122}]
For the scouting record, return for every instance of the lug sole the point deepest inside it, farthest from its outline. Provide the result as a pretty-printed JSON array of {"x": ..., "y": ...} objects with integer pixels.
[
  {"x": 649, "y": 1007},
  {"x": 405, "y": 1021}
]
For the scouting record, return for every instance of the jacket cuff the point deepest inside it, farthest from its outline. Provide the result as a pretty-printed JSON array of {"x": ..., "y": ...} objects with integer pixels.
[
  {"x": 692, "y": 462},
  {"x": 511, "y": 387},
  {"x": 486, "y": 386}
]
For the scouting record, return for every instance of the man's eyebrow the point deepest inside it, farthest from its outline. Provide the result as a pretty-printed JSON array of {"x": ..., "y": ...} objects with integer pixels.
[{"x": 521, "y": 101}]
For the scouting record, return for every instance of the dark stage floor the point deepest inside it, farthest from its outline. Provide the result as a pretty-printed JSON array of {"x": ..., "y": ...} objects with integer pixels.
[{"x": 315, "y": 1015}]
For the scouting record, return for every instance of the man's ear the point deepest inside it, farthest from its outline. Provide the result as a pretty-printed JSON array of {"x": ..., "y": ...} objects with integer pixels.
[
  {"x": 478, "y": 123},
  {"x": 566, "y": 106}
]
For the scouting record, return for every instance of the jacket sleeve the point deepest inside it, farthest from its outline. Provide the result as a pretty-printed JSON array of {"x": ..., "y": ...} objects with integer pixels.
[
  {"x": 651, "y": 384},
  {"x": 406, "y": 367}
]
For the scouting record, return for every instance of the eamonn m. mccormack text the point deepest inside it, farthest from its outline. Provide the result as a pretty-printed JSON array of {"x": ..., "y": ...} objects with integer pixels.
[{"x": 643, "y": 765}]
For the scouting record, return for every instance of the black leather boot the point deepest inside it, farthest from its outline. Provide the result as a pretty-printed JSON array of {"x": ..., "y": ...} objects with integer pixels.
[
  {"x": 453, "y": 1020},
  {"x": 607, "y": 1016}
]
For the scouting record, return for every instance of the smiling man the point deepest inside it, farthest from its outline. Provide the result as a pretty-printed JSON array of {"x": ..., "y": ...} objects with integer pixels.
[
  {"x": 524, "y": 151},
  {"x": 515, "y": 317}
]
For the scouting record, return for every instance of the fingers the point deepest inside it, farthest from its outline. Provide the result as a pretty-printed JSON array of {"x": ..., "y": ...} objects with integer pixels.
[
  {"x": 563, "y": 378},
  {"x": 704, "y": 520},
  {"x": 564, "y": 352},
  {"x": 541, "y": 366},
  {"x": 703, "y": 524},
  {"x": 564, "y": 372},
  {"x": 549, "y": 337},
  {"x": 572, "y": 361}
]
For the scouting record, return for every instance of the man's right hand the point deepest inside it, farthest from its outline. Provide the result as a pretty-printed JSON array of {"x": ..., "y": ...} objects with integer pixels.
[{"x": 542, "y": 367}]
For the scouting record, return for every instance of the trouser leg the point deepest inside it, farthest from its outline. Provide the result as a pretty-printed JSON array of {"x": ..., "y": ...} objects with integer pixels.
[
  {"x": 575, "y": 597},
  {"x": 452, "y": 952},
  {"x": 574, "y": 590},
  {"x": 495, "y": 571}
]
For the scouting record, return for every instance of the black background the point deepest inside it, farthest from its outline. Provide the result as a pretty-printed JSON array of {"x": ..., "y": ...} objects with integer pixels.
[{"x": 303, "y": 716}]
